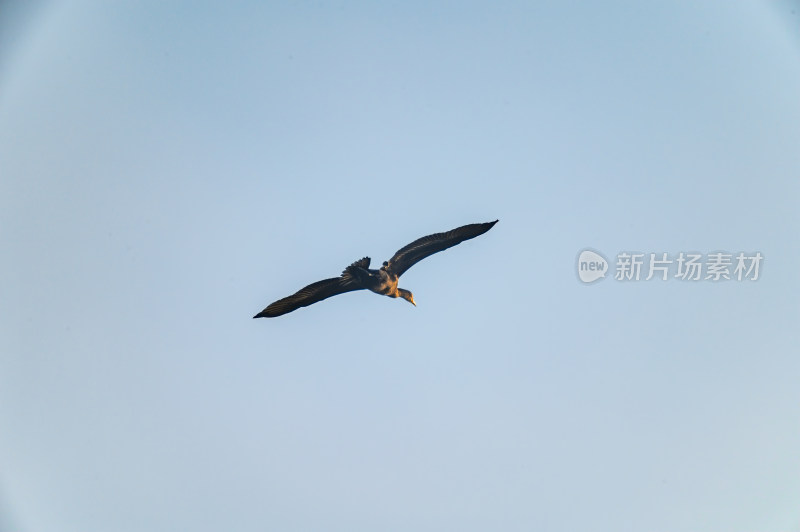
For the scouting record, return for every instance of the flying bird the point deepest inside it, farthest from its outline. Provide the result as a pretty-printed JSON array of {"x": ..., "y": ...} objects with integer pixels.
[{"x": 382, "y": 281}]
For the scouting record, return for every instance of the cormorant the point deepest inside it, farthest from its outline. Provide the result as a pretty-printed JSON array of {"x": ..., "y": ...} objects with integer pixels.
[{"x": 383, "y": 281}]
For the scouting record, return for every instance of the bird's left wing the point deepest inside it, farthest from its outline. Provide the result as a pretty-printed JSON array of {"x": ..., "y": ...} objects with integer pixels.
[
  {"x": 309, "y": 295},
  {"x": 428, "y": 245}
]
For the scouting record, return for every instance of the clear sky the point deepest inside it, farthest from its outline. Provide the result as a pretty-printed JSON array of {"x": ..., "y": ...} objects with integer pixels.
[{"x": 169, "y": 169}]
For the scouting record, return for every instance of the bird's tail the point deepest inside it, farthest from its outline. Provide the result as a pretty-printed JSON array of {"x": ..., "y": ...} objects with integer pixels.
[{"x": 355, "y": 270}]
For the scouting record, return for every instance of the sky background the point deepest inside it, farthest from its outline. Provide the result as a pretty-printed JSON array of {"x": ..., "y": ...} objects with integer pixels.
[{"x": 169, "y": 169}]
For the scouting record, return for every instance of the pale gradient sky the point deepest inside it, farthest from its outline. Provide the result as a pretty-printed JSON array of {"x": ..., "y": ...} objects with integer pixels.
[{"x": 169, "y": 169}]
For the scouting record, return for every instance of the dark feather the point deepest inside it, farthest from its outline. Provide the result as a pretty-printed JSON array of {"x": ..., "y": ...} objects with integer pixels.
[
  {"x": 426, "y": 246},
  {"x": 309, "y": 295}
]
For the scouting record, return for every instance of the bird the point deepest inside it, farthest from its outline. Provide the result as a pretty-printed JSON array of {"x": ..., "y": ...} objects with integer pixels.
[{"x": 383, "y": 281}]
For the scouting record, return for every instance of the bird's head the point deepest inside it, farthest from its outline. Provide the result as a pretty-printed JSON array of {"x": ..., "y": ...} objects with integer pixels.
[{"x": 407, "y": 295}]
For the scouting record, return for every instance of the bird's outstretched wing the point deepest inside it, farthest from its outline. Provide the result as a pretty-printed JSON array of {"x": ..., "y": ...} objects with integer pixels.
[
  {"x": 428, "y": 245},
  {"x": 309, "y": 295}
]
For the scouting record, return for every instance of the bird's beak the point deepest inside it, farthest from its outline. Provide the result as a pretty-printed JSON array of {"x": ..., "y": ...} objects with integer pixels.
[{"x": 412, "y": 302}]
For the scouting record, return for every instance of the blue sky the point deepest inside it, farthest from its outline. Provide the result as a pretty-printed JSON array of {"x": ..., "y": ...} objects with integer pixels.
[{"x": 166, "y": 171}]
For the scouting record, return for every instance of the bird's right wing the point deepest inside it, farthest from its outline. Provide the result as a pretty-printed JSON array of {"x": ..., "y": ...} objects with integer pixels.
[
  {"x": 426, "y": 246},
  {"x": 309, "y": 295}
]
